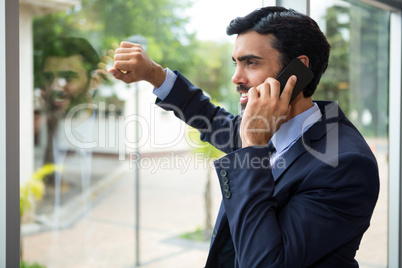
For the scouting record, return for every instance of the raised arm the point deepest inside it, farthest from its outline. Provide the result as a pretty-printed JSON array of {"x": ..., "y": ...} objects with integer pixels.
[{"x": 217, "y": 126}]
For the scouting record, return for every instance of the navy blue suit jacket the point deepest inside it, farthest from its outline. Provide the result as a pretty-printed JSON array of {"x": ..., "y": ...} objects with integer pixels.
[{"x": 311, "y": 210}]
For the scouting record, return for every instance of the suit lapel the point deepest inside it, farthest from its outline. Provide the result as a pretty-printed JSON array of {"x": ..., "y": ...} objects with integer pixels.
[{"x": 331, "y": 115}]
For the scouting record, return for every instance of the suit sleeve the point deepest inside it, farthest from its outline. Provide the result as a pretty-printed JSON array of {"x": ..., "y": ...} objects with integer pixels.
[
  {"x": 330, "y": 208},
  {"x": 216, "y": 125}
]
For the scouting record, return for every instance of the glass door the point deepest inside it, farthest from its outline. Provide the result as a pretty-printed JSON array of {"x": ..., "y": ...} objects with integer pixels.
[{"x": 108, "y": 179}]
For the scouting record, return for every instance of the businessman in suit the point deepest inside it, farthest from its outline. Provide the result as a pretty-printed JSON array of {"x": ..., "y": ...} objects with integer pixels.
[
  {"x": 71, "y": 76},
  {"x": 299, "y": 183}
]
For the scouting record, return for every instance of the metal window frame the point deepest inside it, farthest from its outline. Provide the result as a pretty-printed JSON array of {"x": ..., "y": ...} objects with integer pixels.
[
  {"x": 2, "y": 139},
  {"x": 395, "y": 141},
  {"x": 9, "y": 134},
  {"x": 9, "y": 126}
]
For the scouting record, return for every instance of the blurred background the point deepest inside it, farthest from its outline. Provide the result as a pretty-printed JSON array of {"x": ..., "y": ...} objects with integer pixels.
[{"x": 110, "y": 180}]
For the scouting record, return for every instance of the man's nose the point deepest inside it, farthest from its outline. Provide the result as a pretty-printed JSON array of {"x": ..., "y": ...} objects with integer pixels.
[
  {"x": 58, "y": 83},
  {"x": 239, "y": 77}
]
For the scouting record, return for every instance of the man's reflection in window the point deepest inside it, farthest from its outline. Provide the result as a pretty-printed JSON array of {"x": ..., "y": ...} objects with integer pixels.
[{"x": 70, "y": 79}]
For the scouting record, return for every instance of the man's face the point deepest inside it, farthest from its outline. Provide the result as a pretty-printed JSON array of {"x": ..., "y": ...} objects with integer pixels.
[
  {"x": 255, "y": 61},
  {"x": 66, "y": 82}
]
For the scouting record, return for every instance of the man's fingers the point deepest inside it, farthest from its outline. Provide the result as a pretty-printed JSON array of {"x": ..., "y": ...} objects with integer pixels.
[
  {"x": 287, "y": 91},
  {"x": 253, "y": 94},
  {"x": 264, "y": 90},
  {"x": 125, "y": 56},
  {"x": 116, "y": 73},
  {"x": 128, "y": 65},
  {"x": 126, "y": 44},
  {"x": 274, "y": 87},
  {"x": 128, "y": 50}
]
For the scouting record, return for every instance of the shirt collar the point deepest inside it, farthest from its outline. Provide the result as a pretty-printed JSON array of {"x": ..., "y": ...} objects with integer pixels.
[{"x": 293, "y": 129}]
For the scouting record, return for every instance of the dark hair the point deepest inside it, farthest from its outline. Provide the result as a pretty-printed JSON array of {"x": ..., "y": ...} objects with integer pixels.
[
  {"x": 295, "y": 34},
  {"x": 71, "y": 46}
]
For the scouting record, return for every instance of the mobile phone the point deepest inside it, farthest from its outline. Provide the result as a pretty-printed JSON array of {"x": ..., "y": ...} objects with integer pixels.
[{"x": 303, "y": 73}]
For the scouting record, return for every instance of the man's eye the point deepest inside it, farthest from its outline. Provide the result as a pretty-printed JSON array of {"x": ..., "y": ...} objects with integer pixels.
[
  {"x": 48, "y": 77},
  {"x": 69, "y": 77},
  {"x": 251, "y": 62}
]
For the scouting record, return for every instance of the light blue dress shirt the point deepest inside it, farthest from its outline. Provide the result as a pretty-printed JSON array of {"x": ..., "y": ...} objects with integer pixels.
[
  {"x": 164, "y": 90},
  {"x": 292, "y": 130}
]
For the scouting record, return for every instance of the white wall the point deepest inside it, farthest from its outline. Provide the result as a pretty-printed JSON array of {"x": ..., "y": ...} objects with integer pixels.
[{"x": 26, "y": 93}]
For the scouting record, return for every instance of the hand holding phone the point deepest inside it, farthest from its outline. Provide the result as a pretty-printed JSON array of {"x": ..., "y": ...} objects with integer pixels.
[{"x": 303, "y": 73}]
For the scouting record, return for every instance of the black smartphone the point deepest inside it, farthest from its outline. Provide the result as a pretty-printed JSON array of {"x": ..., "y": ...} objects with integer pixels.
[{"x": 303, "y": 73}]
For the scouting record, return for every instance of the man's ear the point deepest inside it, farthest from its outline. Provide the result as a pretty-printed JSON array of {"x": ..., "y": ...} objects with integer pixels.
[{"x": 304, "y": 59}]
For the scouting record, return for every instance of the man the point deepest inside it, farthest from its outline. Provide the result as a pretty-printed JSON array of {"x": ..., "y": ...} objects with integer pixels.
[
  {"x": 70, "y": 77},
  {"x": 70, "y": 73},
  {"x": 299, "y": 183}
]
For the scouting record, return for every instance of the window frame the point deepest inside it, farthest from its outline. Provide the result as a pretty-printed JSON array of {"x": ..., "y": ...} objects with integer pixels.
[
  {"x": 9, "y": 125},
  {"x": 395, "y": 142},
  {"x": 9, "y": 142}
]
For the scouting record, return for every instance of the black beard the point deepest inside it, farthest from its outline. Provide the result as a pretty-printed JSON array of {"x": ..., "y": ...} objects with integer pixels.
[
  {"x": 242, "y": 88},
  {"x": 82, "y": 98}
]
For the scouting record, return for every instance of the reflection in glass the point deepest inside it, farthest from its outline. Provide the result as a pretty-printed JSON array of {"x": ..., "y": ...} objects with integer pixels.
[
  {"x": 66, "y": 128},
  {"x": 85, "y": 141},
  {"x": 357, "y": 78}
]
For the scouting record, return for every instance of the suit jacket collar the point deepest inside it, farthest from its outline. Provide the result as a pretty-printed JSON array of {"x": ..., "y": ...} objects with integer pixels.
[{"x": 331, "y": 115}]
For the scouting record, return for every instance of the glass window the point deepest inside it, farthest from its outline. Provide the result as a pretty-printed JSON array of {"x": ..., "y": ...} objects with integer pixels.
[
  {"x": 357, "y": 78},
  {"x": 115, "y": 181}
]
